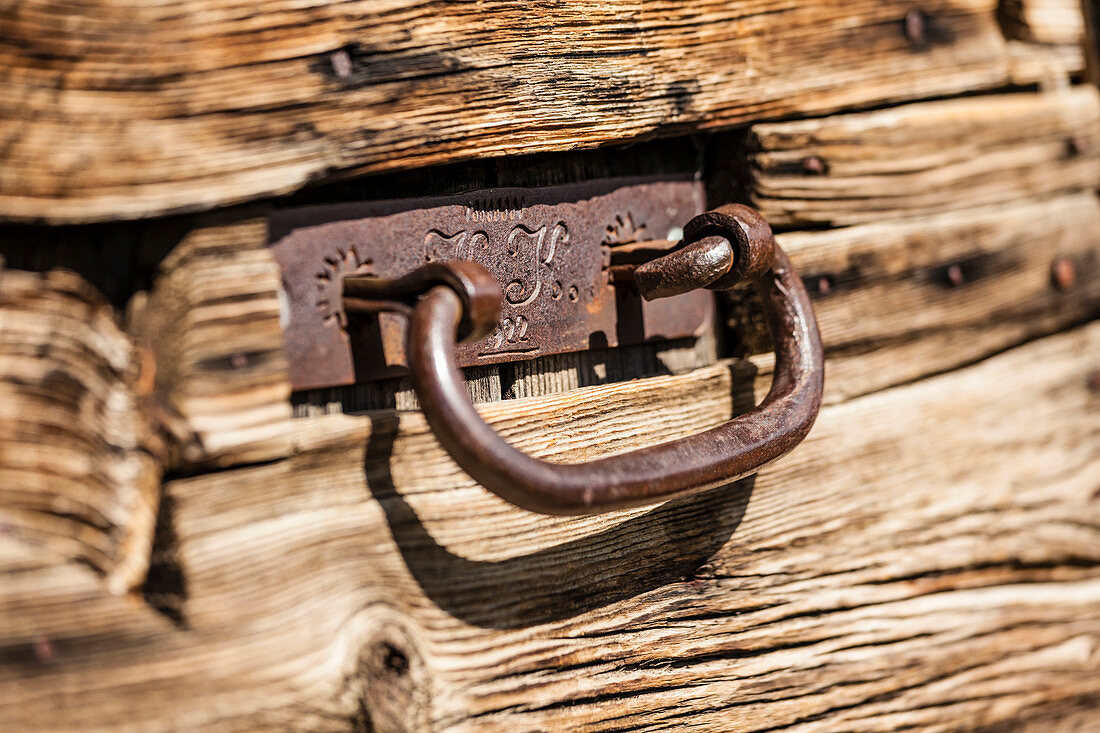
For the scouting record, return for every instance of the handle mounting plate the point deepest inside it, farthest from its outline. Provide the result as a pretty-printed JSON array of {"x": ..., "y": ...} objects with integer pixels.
[{"x": 549, "y": 249}]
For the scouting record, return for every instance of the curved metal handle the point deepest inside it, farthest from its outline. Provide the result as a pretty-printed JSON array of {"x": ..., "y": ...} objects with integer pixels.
[{"x": 723, "y": 247}]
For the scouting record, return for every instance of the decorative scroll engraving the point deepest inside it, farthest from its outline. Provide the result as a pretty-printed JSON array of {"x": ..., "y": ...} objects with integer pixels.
[
  {"x": 335, "y": 267},
  {"x": 624, "y": 230}
]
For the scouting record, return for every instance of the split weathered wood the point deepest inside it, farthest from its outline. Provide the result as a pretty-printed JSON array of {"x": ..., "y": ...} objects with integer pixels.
[
  {"x": 79, "y": 455},
  {"x": 927, "y": 157},
  {"x": 211, "y": 323},
  {"x": 930, "y": 554},
  {"x": 115, "y": 110}
]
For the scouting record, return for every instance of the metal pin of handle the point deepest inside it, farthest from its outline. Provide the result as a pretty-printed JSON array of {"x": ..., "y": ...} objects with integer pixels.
[{"x": 721, "y": 248}]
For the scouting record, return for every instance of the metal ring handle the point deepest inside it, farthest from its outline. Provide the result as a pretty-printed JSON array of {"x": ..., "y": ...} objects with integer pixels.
[{"x": 720, "y": 455}]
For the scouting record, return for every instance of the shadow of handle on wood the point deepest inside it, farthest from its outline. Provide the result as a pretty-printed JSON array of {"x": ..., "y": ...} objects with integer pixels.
[{"x": 731, "y": 451}]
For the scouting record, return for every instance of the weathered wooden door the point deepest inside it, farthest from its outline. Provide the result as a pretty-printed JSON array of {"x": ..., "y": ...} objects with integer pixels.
[{"x": 187, "y": 542}]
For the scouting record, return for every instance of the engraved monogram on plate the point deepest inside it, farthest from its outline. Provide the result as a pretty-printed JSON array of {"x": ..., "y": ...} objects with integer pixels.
[{"x": 531, "y": 258}]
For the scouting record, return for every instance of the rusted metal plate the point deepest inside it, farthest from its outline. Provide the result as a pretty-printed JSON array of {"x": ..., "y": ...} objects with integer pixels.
[{"x": 548, "y": 247}]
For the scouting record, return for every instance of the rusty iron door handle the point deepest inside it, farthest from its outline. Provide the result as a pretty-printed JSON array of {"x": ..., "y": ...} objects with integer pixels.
[{"x": 721, "y": 248}]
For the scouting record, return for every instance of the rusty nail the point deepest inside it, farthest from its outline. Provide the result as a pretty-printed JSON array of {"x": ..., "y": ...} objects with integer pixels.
[
  {"x": 824, "y": 286},
  {"x": 915, "y": 27},
  {"x": 955, "y": 275},
  {"x": 1063, "y": 273},
  {"x": 814, "y": 164},
  {"x": 44, "y": 650},
  {"x": 1094, "y": 380},
  {"x": 341, "y": 63},
  {"x": 238, "y": 361}
]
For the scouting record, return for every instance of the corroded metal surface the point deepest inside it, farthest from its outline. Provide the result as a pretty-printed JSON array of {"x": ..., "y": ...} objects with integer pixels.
[
  {"x": 548, "y": 248},
  {"x": 723, "y": 454}
]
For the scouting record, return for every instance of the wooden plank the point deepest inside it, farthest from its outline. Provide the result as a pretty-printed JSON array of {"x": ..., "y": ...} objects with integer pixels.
[
  {"x": 211, "y": 320},
  {"x": 132, "y": 110},
  {"x": 929, "y": 555},
  {"x": 1044, "y": 21},
  {"x": 53, "y": 605},
  {"x": 925, "y": 158},
  {"x": 79, "y": 458},
  {"x": 899, "y": 300}
]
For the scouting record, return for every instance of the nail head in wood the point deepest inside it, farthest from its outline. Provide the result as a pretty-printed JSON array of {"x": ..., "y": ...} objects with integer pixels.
[
  {"x": 815, "y": 165},
  {"x": 915, "y": 26},
  {"x": 1063, "y": 273}
]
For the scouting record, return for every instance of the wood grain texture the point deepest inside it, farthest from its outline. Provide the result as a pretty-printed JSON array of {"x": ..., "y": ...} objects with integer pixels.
[
  {"x": 117, "y": 109},
  {"x": 924, "y": 158},
  {"x": 899, "y": 300},
  {"x": 211, "y": 321},
  {"x": 79, "y": 455},
  {"x": 929, "y": 555},
  {"x": 1044, "y": 21},
  {"x": 533, "y": 378}
]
